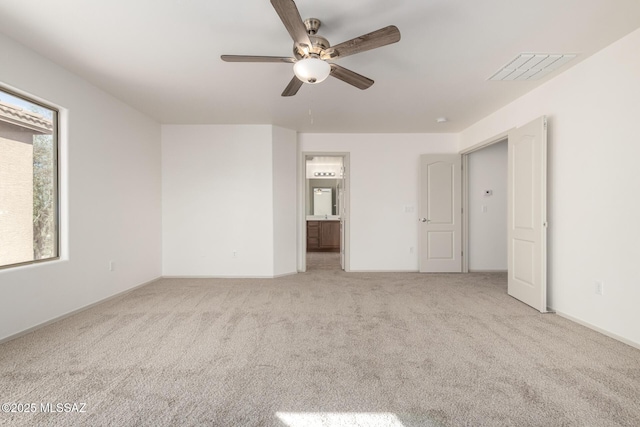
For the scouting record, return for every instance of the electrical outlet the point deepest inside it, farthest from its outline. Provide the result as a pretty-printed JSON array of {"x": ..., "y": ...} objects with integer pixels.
[
  {"x": 235, "y": 254},
  {"x": 112, "y": 265},
  {"x": 410, "y": 249},
  {"x": 599, "y": 287}
]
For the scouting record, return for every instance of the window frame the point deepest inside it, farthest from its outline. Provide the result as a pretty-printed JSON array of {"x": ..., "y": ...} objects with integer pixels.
[{"x": 56, "y": 176}]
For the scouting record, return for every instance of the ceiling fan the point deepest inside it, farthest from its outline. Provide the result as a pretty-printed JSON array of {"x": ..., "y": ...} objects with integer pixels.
[{"x": 311, "y": 52}]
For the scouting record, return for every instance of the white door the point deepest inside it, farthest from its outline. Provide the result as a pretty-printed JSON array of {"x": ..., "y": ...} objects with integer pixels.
[
  {"x": 342, "y": 213},
  {"x": 440, "y": 213},
  {"x": 527, "y": 214}
]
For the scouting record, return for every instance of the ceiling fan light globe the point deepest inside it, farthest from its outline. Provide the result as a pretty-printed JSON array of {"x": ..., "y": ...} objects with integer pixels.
[{"x": 312, "y": 70}]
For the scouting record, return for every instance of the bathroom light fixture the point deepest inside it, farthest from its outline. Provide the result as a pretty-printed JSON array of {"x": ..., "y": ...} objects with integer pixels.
[
  {"x": 312, "y": 70},
  {"x": 324, "y": 174}
]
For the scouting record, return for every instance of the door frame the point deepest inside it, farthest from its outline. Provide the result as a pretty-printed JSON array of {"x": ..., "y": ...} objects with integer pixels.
[
  {"x": 504, "y": 136},
  {"x": 302, "y": 207}
]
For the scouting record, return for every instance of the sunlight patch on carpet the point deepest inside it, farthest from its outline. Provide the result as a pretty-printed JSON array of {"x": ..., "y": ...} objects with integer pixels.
[{"x": 339, "y": 419}]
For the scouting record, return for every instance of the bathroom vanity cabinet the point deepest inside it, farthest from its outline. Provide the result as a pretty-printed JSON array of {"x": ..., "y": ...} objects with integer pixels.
[{"x": 323, "y": 236}]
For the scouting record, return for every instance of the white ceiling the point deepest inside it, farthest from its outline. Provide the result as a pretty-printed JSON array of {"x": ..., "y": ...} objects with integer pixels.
[{"x": 163, "y": 56}]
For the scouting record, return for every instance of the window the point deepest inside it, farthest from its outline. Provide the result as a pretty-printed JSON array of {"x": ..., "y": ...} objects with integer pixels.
[{"x": 28, "y": 181}]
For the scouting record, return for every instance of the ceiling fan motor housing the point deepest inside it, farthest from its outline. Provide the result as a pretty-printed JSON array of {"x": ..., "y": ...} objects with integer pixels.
[{"x": 318, "y": 43}]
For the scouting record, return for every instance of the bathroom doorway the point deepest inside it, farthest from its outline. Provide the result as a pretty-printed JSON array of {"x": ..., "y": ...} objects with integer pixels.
[{"x": 324, "y": 221}]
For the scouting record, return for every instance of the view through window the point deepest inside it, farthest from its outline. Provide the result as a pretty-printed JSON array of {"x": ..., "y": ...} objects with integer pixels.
[{"x": 28, "y": 181}]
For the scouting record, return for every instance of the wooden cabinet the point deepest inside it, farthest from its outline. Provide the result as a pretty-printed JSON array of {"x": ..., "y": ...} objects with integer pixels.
[
  {"x": 313, "y": 236},
  {"x": 323, "y": 236},
  {"x": 329, "y": 235}
]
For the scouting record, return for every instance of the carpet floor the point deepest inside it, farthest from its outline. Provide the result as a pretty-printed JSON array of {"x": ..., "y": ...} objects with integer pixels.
[
  {"x": 324, "y": 348},
  {"x": 323, "y": 261}
]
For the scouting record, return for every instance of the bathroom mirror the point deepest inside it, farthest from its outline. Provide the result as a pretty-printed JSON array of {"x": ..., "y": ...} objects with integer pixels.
[
  {"x": 322, "y": 201},
  {"x": 323, "y": 172}
]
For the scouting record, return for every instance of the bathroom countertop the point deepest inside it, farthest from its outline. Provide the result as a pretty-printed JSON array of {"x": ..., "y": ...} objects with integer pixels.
[{"x": 323, "y": 217}]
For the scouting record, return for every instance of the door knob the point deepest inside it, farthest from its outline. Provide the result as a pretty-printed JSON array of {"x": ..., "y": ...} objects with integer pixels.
[{"x": 423, "y": 220}]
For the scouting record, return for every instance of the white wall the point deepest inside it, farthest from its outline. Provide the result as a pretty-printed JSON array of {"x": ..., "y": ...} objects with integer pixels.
[
  {"x": 285, "y": 149},
  {"x": 110, "y": 189},
  {"x": 384, "y": 181},
  {"x": 593, "y": 110},
  {"x": 217, "y": 200},
  {"x": 487, "y": 170},
  {"x": 228, "y": 189}
]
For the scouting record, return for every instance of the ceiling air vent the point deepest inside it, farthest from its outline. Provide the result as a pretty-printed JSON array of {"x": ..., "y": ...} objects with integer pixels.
[{"x": 532, "y": 66}]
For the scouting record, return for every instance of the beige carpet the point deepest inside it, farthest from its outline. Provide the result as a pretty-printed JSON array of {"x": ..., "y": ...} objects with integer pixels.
[
  {"x": 324, "y": 348},
  {"x": 323, "y": 261}
]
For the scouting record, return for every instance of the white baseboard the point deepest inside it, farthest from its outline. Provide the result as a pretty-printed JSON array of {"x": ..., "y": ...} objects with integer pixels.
[
  {"x": 487, "y": 271},
  {"x": 228, "y": 277},
  {"x": 383, "y": 271},
  {"x": 285, "y": 274},
  {"x": 71, "y": 313},
  {"x": 597, "y": 329}
]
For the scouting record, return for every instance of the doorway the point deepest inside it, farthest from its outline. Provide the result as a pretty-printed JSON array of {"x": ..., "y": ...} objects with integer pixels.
[
  {"x": 323, "y": 219},
  {"x": 486, "y": 181},
  {"x": 526, "y": 197}
]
